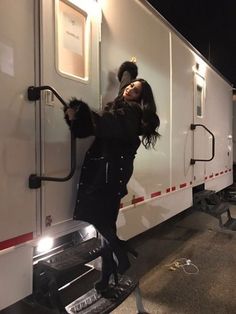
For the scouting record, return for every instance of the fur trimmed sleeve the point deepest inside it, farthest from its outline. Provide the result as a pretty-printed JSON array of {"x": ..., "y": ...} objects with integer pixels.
[
  {"x": 123, "y": 124},
  {"x": 127, "y": 72},
  {"x": 130, "y": 67},
  {"x": 83, "y": 124}
]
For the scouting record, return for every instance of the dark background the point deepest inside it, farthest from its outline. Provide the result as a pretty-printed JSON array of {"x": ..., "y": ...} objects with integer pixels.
[{"x": 209, "y": 26}]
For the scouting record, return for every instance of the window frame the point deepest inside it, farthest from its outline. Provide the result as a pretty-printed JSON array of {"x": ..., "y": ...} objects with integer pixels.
[{"x": 86, "y": 51}]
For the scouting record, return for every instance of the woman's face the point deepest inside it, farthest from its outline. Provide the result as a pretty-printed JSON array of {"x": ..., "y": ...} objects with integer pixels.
[{"x": 133, "y": 91}]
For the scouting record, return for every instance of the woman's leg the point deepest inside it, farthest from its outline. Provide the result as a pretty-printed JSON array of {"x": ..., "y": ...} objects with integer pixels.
[
  {"x": 116, "y": 245},
  {"x": 108, "y": 267},
  {"x": 107, "y": 228}
]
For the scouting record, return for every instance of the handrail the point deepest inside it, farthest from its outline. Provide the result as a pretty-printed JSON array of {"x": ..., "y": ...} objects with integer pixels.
[
  {"x": 193, "y": 127},
  {"x": 35, "y": 180},
  {"x": 34, "y": 93}
]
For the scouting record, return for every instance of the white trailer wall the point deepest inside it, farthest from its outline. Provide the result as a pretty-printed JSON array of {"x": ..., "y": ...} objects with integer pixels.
[
  {"x": 144, "y": 36},
  {"x": 163, "y": 179},
  {"x": 182, "y": 112},
  {"x": 219, "y": 110},
  {"x": 17, "y": 148}
]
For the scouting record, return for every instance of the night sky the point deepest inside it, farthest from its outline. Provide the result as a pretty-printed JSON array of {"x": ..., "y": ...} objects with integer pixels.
[{"x": 209, "y": 26}]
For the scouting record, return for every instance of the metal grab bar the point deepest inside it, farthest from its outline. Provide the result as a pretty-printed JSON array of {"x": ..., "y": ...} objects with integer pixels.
[
  {"x": 34, "y": 93},
  {"x": 34, "y": 179},
  {"x": 193, "y": 127}
]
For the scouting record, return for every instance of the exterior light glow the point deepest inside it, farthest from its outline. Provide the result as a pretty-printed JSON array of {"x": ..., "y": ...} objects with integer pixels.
[
  {"x": 91, "y": 7},
  {"x": 44, "y": 245}
]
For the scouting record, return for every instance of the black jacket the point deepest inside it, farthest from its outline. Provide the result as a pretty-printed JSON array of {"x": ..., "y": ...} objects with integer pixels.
[{"x": 108, "y": 164}]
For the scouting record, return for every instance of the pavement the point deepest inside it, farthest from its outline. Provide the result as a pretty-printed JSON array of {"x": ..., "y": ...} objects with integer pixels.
[{"x": 186, "y": 266}]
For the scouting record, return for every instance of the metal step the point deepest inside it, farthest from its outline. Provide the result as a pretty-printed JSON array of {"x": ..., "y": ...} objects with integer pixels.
[
  {"x": 61, "y": 269},
  {"x": 230, "y": 195},
  {"x": 219, "y": 209},
  {"x": 72, "y": 257},
  {"x": 202, "y": 195},
  {"x": 57, "y": 272},
  {"x": 231, "y": 191},
  {"x": 94, "y": 303},
  {"x": 230, "y": 224},
  {"x": 210, "y": 203}
]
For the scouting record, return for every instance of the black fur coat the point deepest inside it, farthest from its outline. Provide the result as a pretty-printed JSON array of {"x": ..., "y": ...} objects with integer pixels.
[{"x": 108, "y": 164}]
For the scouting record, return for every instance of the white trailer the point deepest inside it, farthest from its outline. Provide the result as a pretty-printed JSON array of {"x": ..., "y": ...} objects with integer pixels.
[{"x": 76, "y": 46}]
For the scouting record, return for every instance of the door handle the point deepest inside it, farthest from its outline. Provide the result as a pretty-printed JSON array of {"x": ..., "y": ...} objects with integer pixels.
[
  {"x": 193, "y": 127},
  {"x": 34, "y": 93},
  {"x": 49, "y": 98}
]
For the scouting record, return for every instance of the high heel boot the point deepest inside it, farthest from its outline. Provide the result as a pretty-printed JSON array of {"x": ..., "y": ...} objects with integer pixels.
[
  {"x": 128, "y": 248},
  {"x": 109, "y": 268},
  {"x": 121, "y": 252}
]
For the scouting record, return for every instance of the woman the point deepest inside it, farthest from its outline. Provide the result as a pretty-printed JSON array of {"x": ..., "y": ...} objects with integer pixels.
[{"x": 108, "y": 164}]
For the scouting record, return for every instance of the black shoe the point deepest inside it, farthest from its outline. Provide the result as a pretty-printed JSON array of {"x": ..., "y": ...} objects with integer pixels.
[
  {"x": 124, "y": 265},
  {"x": 113, "y": 293},
  {"x": 108, "y": 270},
  {"x": 122, "y": 258},
  {"x": 103, "y": 285},
  {"x": 128, "y": 248}
]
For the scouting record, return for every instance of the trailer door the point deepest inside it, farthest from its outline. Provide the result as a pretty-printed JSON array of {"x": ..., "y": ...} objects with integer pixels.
[
  {"x": 200, "y": 135},
  {"x": 69, "y": 57}
]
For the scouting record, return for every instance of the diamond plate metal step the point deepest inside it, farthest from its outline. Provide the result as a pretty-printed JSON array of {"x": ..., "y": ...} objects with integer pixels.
[
  {"x": 93, "y": 302},
  {"x": 73, "y": 256}
]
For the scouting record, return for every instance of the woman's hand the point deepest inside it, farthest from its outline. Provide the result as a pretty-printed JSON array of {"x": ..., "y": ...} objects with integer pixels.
[
  {"x": 129, "y": 66},
  {"x": 70, "y": 113}
]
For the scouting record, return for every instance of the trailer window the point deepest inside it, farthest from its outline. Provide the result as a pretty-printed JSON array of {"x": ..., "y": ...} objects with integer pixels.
[
  {"x": 199, "y": 100},
  {"x": 71, "y": 40}
]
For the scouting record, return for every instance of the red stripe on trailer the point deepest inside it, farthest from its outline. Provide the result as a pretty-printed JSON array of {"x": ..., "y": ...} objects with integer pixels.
[
  {"x": 168, "y": 190},
  {"x": 173, "y": 188},
  {"x": 221, "y": 172},
  {"x": 229, "y": 169},
  {"x": 216, "y": 174},
  {"x": 226, "y": 171},
  {"x": 154, "y": 194},
  {"x": 191, "y": 182},
  {"x": 15, "y": 241},
  {"x": 137, "y": 200},
  {"x": 183, "y": 185},
  {"x": 205, "y": 178},
  {"x": 211, "y": 176}
]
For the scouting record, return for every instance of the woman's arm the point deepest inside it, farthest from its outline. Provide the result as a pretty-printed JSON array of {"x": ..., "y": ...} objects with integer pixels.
[
  {"x": 127, "y": 72},
  {"x": 123, "y": 124},
  {"x": 79, "y": 118},
  {"x": 125, "y": 80}
]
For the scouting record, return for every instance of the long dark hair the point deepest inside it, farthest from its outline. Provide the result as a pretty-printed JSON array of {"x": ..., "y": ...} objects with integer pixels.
[{"x": 150, "y": 120}]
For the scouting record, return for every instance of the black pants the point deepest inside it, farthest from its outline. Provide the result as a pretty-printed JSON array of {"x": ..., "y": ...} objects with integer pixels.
[
  {"x": 108, "y": 262},
  {"x": 101, "y": 209},
  {"x": 113, "y": 244},
  {"x": 110, "y": 243}
]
